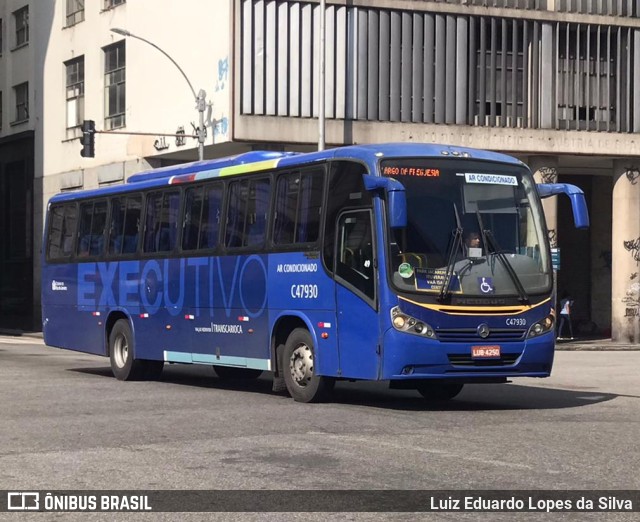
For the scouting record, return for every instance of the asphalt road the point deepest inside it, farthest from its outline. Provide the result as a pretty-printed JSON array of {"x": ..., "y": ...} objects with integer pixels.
[{"x": 68, "y": 424}]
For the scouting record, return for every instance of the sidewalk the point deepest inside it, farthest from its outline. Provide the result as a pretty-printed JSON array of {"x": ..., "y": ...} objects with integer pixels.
[
  {"x": 585, "y": 344},
  {"x": 577, "y": 344}
]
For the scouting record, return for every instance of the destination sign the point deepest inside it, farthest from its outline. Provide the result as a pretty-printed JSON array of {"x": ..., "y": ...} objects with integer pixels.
[{"x": 419, "y": 172}]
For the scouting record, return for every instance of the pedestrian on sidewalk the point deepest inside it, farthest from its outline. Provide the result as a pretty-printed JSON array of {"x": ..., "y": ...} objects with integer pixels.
[{"x": 566, "y": 304}]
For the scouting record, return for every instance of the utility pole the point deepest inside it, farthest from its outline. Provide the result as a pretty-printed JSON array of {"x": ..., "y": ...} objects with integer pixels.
[
  {"x": 200, "y": 98},
  {"x": 321, "y": 94}
]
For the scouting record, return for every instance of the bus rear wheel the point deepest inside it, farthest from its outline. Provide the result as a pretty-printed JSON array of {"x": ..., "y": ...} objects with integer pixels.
[
  {"x": 439, "y": 391},
  {"x": 230, "y": 372},
  {"x": 298, "y": 368},
  {"x": 121, "y": 350}
]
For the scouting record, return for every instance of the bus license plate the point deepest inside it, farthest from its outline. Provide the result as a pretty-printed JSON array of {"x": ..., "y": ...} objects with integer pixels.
[{"x": 485, "y": 352}]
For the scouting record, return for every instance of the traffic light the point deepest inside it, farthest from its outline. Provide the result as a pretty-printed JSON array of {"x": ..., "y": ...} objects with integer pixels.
[{"x": 88, "y": 139}]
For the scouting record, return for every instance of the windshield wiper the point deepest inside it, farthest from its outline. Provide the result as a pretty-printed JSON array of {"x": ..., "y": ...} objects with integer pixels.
[
  {"x": 457, "y": 243},
  {"x": 497, "y": 251}
]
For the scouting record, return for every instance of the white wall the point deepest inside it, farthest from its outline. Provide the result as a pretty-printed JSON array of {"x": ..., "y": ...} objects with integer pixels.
[
  {"x": 195, "y": 33},
  {"x": 16, "y": 67}
]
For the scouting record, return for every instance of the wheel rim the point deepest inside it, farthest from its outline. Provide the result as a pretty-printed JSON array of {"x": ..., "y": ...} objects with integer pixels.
[
  {"x": 120, "y": 350},
  {"x": 301, "y": 365}
]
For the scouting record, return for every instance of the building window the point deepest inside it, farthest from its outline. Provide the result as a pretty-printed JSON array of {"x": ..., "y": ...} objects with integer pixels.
[
  {"x": 22, "y": 102},
  {"x": 75, "y": 12},
  {"x": 75, "y": 92},
  {"x": 114, "y": 85},
  {"x": 21, "y": 17},
  {"x": 110, "y": 4}
]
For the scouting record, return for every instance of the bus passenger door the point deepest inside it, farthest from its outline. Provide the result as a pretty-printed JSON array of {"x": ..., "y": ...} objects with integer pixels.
[{"x": 355, "y": 276}]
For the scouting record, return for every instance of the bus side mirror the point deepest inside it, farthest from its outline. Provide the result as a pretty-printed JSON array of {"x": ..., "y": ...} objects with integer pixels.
[
  {"x": 397, "y": 209},
  {"x": 397, "y": 202},
  {"x": 578, "y": 202}
]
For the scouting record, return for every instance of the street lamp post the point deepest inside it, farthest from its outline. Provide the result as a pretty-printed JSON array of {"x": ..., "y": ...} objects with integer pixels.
[{"x": 200, "y": 98}]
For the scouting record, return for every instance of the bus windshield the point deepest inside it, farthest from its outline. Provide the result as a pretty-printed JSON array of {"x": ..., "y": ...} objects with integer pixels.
[{"x": 474, "y": 229}]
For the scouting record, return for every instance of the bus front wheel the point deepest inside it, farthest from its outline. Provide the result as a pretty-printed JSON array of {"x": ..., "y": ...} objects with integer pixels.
[
  {"x": 439, "y": 391},
  {"x": 298, "y": 367},
  {"x": 123, "y": 364}
]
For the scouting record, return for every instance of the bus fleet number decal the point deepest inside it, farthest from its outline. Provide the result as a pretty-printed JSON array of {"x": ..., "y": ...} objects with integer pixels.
[
  {"x": 304, "y": 291},
  {"x": 512, "y": 321}
]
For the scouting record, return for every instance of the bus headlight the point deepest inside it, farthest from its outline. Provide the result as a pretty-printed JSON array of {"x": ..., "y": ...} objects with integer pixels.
[
  {"x": 407, "y": 324},
  {"x": 542, "y": 326}
]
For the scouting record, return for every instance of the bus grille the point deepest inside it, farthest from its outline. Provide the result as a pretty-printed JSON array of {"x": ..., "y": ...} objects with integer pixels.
[
  {"x": 470, "y": 335},
  {"x": 507, "y": 359}
]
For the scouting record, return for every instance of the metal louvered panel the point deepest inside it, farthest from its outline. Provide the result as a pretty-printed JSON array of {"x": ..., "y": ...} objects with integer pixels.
[
  {"x": 471, "y": 84},
  {"x": 294, "y": 60},
  {"x": 439, "y": 74},
  {"x": 406, "y": 67},
  {"x": 271, "y": 73},
  {"x": 362, "y": 65},
  {"x": 330, "y": 63},
  {"x": 373, "y": 66},
  {"x": 395, "y": 66},
  {"x": 247, "y": 57},
  {"x": 315, "y": 60},
  {"x": 306, "y": 55},
  {"x": 282, "y": 54},
  {"x": 259, "y": 53},
  {"x": 450, "y": 70},
  {"x": 482, "y": 78},
  {"x": 418, "y": 62},
  {"x": 636, "y": 80},
  {"x": 429, "y": 67},
  {"x": 503, "y": 75},
  {"x": 525, "y": 74},
  {"x": 341, "y": 61},
  {"x": 384, "y": 72},
  {"x": 461, "y": 70},
  {"x": 351, "y": 71}
]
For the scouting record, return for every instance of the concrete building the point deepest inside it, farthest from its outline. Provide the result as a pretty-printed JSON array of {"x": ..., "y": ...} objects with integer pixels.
[{"x": 555, "y": 83}]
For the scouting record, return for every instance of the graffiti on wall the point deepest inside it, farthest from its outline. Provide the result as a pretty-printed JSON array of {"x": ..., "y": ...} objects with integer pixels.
[
  {"x": 548, "y": 174},
  {"x": 632, "y": 301},
  {"x": 633, "y": 174},
  {"x": 180, "y": 139},
  {"x": 553, "y": 238},
  {"x": 633, "y": 246},
  {"x": 223, "y": 74}
]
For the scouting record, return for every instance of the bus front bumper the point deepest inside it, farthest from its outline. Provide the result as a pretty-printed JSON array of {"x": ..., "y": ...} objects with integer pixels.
[{"x": 407, "y": 357}]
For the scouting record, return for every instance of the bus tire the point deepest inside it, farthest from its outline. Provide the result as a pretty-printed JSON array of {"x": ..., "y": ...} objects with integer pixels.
[
  {"x": 299, "y": 371},
  {"x": 439, "y": 391},
  {"x": 230, "y": 372},
  {"x": 121, "y": 349}
]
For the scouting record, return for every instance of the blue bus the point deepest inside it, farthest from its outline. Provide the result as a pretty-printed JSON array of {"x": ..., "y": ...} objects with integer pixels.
[{"x": 427, "y": 266}]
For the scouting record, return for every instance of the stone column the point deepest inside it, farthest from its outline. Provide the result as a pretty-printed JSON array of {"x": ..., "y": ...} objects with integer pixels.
[
  {"x": 545, "y": 170},
  {"x": 625, "y": 252}
]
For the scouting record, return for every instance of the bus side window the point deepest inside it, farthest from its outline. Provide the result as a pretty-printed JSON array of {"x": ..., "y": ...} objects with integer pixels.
[
  {"x": 238, "y": 198},
  {"x": 212, "y": 208},
  {"x": 258, "y": 212},
  {"x": 132, "y": 225},
  {"x": 62, "y": 230},
  {"x": 191, "y": 219},
  {"x": 93, "y": 219},
  {"x": 298, "y": 207},
  {"x": 346, "y": 190},
  {"x": 355, "y": 260}
]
